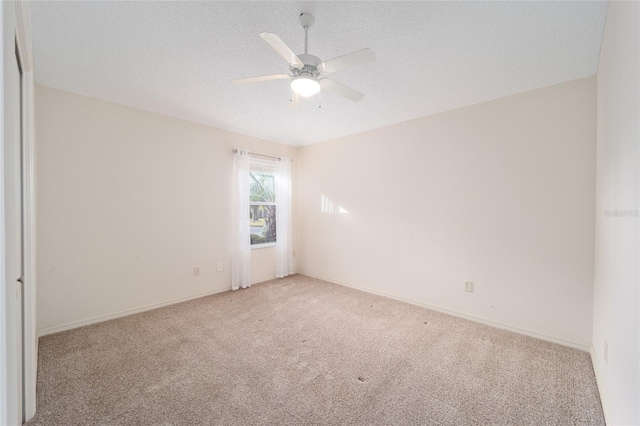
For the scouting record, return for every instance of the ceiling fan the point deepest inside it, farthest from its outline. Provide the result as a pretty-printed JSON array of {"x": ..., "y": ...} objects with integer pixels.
[{"x": 307, "y": 72}]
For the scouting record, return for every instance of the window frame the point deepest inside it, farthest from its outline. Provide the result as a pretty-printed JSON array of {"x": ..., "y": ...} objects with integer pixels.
[{"x": 260, "y": 165}]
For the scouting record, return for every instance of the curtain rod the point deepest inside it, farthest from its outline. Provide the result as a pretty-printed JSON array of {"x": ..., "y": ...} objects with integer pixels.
[{"x": 261, "y": 155}]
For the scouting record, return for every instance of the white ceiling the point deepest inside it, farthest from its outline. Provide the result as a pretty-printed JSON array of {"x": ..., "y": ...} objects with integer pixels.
[{"x": 178, "y": 58}]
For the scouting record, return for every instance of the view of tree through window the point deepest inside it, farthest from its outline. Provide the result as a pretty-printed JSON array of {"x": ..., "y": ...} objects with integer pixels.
[{"x": 262, "y": 208}]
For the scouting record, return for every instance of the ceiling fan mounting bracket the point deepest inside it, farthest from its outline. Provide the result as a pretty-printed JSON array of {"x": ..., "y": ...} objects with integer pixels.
[{"x": 307, "y": 20}]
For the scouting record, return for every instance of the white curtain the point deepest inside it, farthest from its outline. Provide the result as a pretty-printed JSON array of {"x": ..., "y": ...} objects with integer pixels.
[
  {"x": 284, "y": 248},
  {"x": 241, "y": 257}
]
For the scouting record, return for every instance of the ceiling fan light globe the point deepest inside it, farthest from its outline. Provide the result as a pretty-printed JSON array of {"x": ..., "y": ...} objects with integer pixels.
[{"x": 305, "y": 86}]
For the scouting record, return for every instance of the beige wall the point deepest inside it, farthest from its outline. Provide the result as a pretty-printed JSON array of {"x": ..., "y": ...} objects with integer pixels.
[
  {"x": 500, "y": 193},
  {"x": 129, "y": 202},
  {"x": 617, "y": 278}
]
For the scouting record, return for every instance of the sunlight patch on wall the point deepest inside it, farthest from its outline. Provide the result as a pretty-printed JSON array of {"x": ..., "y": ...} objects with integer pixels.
[{"x": 328, "y": 206}]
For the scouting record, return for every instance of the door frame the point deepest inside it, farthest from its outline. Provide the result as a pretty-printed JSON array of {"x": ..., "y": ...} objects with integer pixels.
[
  {"x": 29, "y": 337},
  {"x": 16, "y": 33}
]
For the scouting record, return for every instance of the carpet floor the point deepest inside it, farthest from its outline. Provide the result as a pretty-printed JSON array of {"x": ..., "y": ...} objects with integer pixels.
[{"x": 303, "y": 351}]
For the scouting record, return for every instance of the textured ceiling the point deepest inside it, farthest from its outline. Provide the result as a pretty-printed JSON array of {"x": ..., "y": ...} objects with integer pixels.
[{"x": 178, "y": 58}]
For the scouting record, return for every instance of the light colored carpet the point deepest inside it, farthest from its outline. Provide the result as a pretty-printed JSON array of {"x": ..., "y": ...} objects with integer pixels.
[{"x": 303, "y": 351}]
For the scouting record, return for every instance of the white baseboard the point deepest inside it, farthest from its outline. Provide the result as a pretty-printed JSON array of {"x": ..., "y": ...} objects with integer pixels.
[
  {"x": 601, "y": 386},
  {"x": 576, "y": 345},
  {"x": 100, "y": 318},
  {"x": 75, "y": 324},
  {"x": 263, "y": 279}
]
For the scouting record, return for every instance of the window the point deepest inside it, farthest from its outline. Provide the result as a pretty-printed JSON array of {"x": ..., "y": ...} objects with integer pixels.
[{"x": 262, "y": 203}]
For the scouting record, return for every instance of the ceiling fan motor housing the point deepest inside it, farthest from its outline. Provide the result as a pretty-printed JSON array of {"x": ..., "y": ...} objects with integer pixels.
[{"x": 310, "y": 67}]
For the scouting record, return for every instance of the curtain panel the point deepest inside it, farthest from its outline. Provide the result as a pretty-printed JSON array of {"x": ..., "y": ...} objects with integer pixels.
[
  {"x": 241, "y": 256},
  {"x": 284, "y": 246}
]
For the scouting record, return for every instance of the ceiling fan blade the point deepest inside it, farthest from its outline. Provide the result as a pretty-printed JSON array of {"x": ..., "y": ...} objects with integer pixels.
[
  {"x": 239, "y": 81},
  {"x": 280, "y": 47},
  {"x": 294, "y": 101},
  {"x": 350, "y": 60},
  {"x": 341, "y": 89}
]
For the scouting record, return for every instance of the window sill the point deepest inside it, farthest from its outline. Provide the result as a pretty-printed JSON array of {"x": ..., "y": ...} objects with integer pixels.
[{"x": 261, "y": 246}]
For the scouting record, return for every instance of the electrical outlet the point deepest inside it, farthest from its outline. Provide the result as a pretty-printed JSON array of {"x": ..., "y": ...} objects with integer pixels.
[
  {"x": 606, "y": 352},
  {"x": 468, "y": 286},
  {"x": 219, "y": 267},
  {"x": 196, "y": 271}
]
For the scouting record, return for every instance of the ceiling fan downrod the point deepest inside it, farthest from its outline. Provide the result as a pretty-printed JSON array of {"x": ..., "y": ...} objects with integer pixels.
[{"x": 307, "y": 20}]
